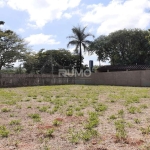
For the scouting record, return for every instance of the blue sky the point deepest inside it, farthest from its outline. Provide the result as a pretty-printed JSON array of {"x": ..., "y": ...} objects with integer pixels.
[{"x": 47, "y": 23}]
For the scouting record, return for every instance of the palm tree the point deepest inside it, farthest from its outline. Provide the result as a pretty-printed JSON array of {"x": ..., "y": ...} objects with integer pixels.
[{"x": 78, "y": 39}]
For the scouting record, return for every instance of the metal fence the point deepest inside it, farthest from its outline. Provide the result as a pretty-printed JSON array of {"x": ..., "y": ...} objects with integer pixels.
[{"x": 111, "y": 68}]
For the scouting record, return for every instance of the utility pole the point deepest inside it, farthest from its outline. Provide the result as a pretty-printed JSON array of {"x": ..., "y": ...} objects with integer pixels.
[{"x": 52, "y": 64}]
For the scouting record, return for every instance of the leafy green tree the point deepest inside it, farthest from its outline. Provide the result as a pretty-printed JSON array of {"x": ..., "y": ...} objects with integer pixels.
[
  {"x": 58, "y": 58},
  {"x": 79, "y": 39},
  {"x": 99, "y": 46},
  {"x": 50, "y": 61},
  {"x": 31, "y": 62},
  {"x": 125, "y": 47},
  {"x": 130, "y": 47},
  {"x": 148, "y": 36},
  {"x": 12, "y": 47}
]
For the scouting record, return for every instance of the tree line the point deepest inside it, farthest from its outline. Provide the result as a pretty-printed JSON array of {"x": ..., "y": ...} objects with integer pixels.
[
  {"x": 122, "y": 47},
  {"x": 50, "y": 61}
]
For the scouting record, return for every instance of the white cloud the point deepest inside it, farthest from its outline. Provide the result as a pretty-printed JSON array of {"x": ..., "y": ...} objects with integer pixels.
[
  {"x": 32, "y": 26},
  {"x": 72, "y": 13},
  {"x": 77, "y": 12},
  {"x": 39, "y": 39},
  {"x": 21, "y": 30},
  {"x": 2, "y": 3},
  {"x": 67, "y": 15},
  {"x": 92, "y": 29},
  {"x": 43, "y": 11},
  {"x": 118, "y": 14},
  {"x": 71, "y": 49}
]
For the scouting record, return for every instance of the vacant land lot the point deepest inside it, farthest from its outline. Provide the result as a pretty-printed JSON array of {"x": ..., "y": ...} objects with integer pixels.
[{"x": 75, "y": 117}]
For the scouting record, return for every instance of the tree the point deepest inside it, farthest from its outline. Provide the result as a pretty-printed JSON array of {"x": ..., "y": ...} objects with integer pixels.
[
  {"x": 50, "y": 61},
  {"x": 78, "y": 39},
  {"x": 125, "y": 47},
  {"x": 12, "y": 47},
  {"x": 148, "y": 36},
  {"x": 31, "y": 62},
  {"x": 99, "y": 46}
]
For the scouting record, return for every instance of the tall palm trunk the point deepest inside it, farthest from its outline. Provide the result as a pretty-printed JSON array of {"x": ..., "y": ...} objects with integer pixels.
[
  {"x": 0, "y": 67},
  {"x": 80, "y": 57}
]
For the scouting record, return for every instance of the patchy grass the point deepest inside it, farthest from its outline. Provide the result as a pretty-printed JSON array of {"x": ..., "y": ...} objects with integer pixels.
[
  {"x": 3, "y": 131},
  {"x": 57, "y": 117},
  {"x": 35, "y": 117},
  {"x": 120, "y": 129},
  {"x": 15, "y": 122},
  {"x": 5, "y": 110}
]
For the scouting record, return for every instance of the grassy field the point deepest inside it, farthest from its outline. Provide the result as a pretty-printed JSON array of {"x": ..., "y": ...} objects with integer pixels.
[{"x": 75, "y": 117}]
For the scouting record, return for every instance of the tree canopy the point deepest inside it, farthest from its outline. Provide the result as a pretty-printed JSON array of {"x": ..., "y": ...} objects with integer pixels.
[
  {"x": 50, "y": 61},
  {"x": 123, "y": 47},
  {"x": 12, "y": 47}
]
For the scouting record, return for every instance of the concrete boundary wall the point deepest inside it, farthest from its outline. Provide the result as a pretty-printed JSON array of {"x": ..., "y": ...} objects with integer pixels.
[
  {"x": 121, "y": 78},
  {"x": 16, "y": 80}
]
